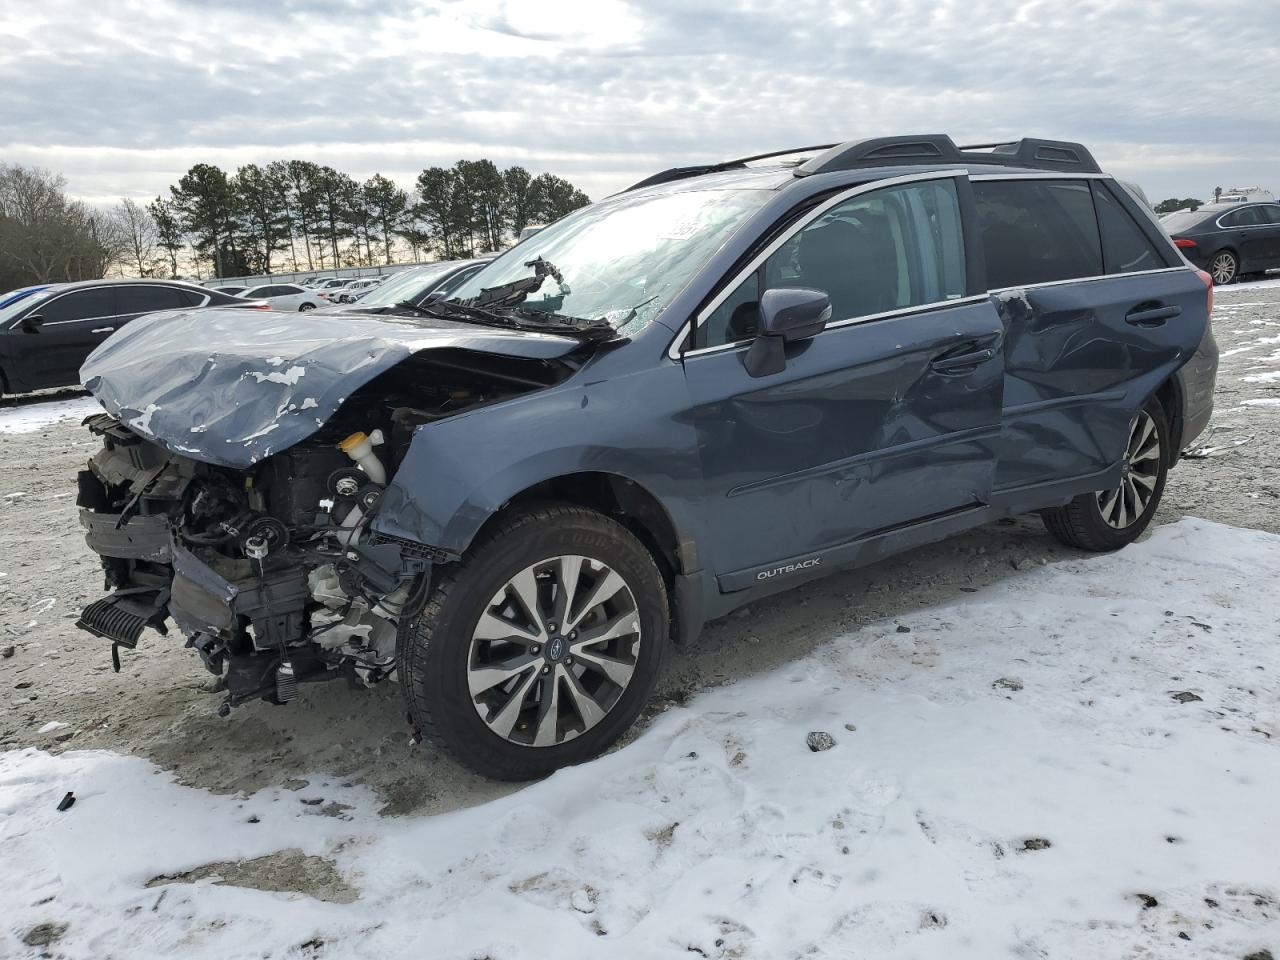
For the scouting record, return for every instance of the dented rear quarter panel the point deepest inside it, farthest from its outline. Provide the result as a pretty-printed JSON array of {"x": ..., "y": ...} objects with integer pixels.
[{"x": 1077, "y": 372}]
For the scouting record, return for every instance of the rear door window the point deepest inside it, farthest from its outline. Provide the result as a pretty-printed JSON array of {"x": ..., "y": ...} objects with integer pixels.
[
  {"x": 1271, "y": 213},
  {"x": 1244, "y": 217},
  {"x": 148, "y": 299},
  {"x": 91, "y": 304},
  {"x": 1125, "y": 247},
  {"x": 1037, "y": 231}
]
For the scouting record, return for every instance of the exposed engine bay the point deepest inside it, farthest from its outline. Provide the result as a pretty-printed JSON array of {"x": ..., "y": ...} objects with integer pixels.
[{"x": 272, "y": 572}]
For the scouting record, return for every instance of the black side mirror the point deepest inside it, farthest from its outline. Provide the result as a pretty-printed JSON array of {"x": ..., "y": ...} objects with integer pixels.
[
  {"x": 32, "y": 323},
  {"x": 787, "y": 315}
]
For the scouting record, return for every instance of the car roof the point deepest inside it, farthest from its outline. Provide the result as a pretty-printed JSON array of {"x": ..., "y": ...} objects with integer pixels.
[
  {"x": 1224, "y": 207},
  {"x": 17, "y": 294},
  {"x": 122, "y": 281},
  {"x": 780, "y": 176},
  {"x": 813, "y": 169}
]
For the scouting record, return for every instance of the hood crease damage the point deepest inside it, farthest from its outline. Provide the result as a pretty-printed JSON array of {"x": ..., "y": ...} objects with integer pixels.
[{"x": 196, "y": 381}]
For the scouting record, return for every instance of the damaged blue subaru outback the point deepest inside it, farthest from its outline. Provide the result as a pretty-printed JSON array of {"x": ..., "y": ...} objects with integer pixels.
[{"x": 722, "y": 382}]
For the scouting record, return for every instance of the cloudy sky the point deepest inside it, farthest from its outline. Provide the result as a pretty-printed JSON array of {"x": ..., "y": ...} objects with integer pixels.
[{"x": 122, "y": 97}]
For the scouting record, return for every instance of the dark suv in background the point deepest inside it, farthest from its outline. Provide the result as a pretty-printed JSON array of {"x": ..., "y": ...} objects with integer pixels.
[
  {"x": 1230, "y": 240},
  {"x": 47, "y": 331},
  {"x": 726, "y": 380}
]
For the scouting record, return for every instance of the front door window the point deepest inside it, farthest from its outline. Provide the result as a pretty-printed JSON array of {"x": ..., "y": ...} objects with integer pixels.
[{"x": 874, "y": 253}]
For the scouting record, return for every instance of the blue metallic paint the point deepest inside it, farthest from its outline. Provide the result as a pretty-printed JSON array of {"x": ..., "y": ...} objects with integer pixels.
[{"x": 857, "y": 450}]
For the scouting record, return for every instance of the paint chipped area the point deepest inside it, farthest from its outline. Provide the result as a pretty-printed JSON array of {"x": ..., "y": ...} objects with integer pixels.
[
  {"x": 142, "y": 422},
  {"x": 289, "y": 377},
  {"x": 254, "y": 436}
]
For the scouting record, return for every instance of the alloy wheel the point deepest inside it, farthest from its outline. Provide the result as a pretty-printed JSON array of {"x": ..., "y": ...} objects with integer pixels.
[
  {"x": 1223, "y": 268},
  {"x": 1123, "y": 505},
  {"x": 553, "y": 651}
]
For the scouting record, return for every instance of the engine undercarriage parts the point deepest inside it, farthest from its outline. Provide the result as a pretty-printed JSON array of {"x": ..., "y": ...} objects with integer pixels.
[
  {"x": 122, "y": 616},
  {"x": 272, "y": 573}
]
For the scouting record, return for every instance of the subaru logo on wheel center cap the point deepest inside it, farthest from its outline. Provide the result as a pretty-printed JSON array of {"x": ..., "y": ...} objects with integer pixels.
[{"x": 555, "y": 649}]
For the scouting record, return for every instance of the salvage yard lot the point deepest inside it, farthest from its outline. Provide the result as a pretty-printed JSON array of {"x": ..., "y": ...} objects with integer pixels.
[{"x": 1001, "y": 690}]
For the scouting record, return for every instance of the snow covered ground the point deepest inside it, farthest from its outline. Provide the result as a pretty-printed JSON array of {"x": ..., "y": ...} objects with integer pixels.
[
  {"x": 1081, "y": 761},
  {"x": 30, "y": 414}
]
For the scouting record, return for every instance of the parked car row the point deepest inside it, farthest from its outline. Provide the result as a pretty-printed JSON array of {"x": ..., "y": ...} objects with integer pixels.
[{"x": 341, "y": 289}]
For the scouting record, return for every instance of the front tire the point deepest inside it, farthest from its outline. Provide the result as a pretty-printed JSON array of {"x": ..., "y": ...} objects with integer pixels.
[
  {"x": 1111, "y": 519},
  {"x": 540, "y": 647},
  {"x": 1224, "y": 268}
]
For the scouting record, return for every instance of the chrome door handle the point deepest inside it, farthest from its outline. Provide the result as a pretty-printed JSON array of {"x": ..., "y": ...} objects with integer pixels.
[{"x": 103, "y": 329}]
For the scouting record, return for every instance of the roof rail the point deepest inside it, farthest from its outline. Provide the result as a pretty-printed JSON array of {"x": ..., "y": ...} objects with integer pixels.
[
  {"x": 680, "y": 173},
  {"x": 1056, "y": 155}
]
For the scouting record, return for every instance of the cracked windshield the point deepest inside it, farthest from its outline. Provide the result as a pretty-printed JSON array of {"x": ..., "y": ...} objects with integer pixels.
[{"x": 623, "y": 260}]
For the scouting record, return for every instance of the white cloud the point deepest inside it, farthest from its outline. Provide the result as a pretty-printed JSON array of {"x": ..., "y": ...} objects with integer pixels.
[{"x": 125, "y": 98}]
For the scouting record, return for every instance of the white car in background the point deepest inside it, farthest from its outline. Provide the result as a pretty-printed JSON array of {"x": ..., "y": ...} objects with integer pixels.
[
  {"x": 285, "y": 296},
  {"x": 356, "y": 288},
  {"x": 326, "y": 284},
  {"x": 334, "y": 290}
]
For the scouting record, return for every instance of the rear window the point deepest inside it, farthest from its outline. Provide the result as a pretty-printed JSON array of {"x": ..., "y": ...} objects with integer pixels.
[
  {"x": 1037, "y": 231},
  {"x": 146, "y": 299},
  {"x": 1244, "y": 217},
  {"x": 1125, "y": 247},
  {"x": 1184, "y": 220}
]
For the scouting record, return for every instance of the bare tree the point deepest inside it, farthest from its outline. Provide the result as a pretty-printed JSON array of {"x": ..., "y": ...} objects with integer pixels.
[
  {"x": 138, "y": 232},
  {"x": 45, "y": 236}
]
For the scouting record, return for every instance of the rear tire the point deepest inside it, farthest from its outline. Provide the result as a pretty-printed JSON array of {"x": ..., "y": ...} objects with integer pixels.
[
  {"x": 1224, "y": 267},
  {"x": 1111, "y": 519},
  {"x": 515, "y": 693},
  {"x": 305, "y": 307}
]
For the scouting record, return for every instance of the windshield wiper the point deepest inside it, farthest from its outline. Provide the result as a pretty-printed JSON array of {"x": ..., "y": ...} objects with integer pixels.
[
  {"x": 634, "y": 310},
  {"x": 515, "y": 292},
  {"x": 514, "y": 318},
  {"x": 416, "y": 308}
]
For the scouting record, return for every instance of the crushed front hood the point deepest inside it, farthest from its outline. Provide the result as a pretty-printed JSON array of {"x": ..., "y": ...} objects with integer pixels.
[{"x": 232, "y": 386}]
